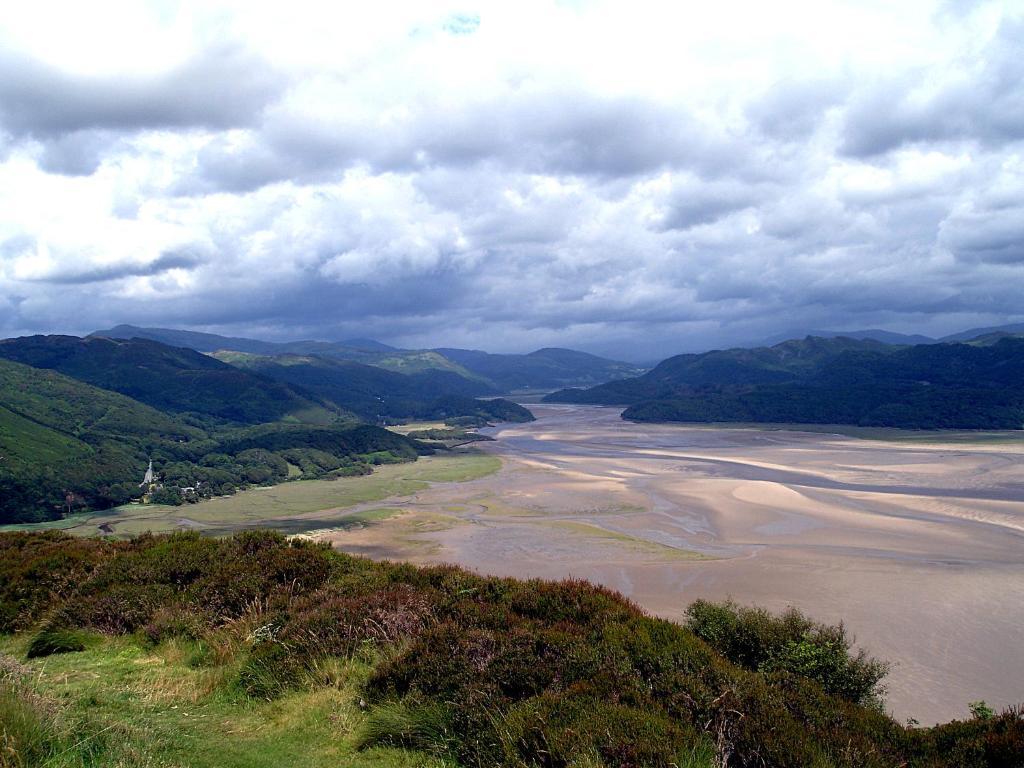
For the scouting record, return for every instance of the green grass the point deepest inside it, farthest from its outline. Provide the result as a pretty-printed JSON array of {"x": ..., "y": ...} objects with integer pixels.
[
  {"x": 63, "y": 524},
  {"x": 133, "y": 705},
  {"x": 276, "y": 506},
  {"x": 25, "y": 442}
]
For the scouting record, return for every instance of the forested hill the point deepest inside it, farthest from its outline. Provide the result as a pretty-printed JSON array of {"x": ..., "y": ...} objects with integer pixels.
[
  {"x": 169, "y": 378},
  {"x": 366, "y": 390},
  {"x": 65, "y": 444},
  {"x": 366, "y": 351},
  {"x": 839, "y": 381},
  {"x": 543, "y": 369}
]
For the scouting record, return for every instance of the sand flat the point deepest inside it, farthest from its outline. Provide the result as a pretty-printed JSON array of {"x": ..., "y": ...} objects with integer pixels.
[{"x": 916, "y": 544}]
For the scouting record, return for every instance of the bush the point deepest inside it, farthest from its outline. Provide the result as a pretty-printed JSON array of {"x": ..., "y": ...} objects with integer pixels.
[
  {"x": 758, "y": 641},
  {"x": 488, "y": 671}
]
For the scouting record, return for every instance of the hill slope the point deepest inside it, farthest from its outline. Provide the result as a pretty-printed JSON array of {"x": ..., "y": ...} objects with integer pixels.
[
  {"x": 840, "y": 381},
  {"x": 65, "y": 443},
  {"x": 366, "y": 351},
  {"x": 376, "y": 393},
  {"x": 59, "y": 435},
  {"x": 457, "y": 668},
  {"x": 169, "y": 378},
  {"x": 543, "y": 369}
]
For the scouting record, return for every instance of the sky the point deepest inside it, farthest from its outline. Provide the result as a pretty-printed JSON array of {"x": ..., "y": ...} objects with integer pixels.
[{"x": 629, "y": 178}]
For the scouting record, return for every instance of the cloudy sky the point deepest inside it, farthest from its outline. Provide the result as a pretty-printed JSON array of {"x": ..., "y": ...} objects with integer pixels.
[{"x": 628, "y": 178}]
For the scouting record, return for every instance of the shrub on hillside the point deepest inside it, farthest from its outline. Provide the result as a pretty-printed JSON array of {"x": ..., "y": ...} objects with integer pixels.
[
  {"x": 756, "y": 640},
  {"x": 489, "y": 671}
]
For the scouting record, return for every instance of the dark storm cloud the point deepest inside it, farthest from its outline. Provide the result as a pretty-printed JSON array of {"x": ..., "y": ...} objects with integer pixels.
[
  {"x": 219, "y": 88},
  {"x": 550, "y": 132},
  {"x": 547, "y": 200},
  {"x": 78, "y": 153},
  {"x": 988, "y": 236},
  {"x": 792, "y": 109},
  {"x": 983, "y": 101},
  {"x": 102, "y": 274},
  {"x": 703, "y": 203}
]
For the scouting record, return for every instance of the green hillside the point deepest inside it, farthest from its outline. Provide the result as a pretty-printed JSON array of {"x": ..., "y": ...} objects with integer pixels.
[
  {"x": 366, "y": 351},
  {"x": 831, "y": 381},
  {"x": 59, "y": 435},
  {"x": 169, "y": 378},
  {"x": 254, "y": 650},
  {"x": 375, "y": 394},
  {"x": 543, "y": 369},
  {"x": 66, "y": 445}
]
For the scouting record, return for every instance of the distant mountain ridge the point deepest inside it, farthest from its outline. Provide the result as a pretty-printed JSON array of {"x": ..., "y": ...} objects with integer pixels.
[
  {"x": 212, "y": 342},
  {"x": 542, "y": 369},
  {"x": 892, "y": 337},
  {"x": 869, "y": 334},
  {"x": 175, "y": 379},
  {"x": 840, "y": 381},
  {"x": 375, "y": 393},
  {"x": 549, "y": 368}
]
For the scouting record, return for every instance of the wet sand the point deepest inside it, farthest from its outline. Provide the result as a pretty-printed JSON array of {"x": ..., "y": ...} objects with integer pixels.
[{"x": 918, "y": 546}]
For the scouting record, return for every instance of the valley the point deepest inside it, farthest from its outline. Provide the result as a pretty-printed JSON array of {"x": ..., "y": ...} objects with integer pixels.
[
  {"x": 911, "y": 539},
  {"x": 913, "y": 543}
]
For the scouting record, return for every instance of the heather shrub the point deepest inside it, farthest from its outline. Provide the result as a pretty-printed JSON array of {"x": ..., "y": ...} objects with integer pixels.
[
  {"x": 991, "y": 742},
  {"x": 489, "y": 672},
  {"x": 176, "y": 620},
  {"x": 756, "y": 640},
  {"x": 40, "y": 570}
]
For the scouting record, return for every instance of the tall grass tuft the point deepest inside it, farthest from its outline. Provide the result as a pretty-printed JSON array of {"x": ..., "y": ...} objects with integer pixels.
[{"x": 421, "y": 726}]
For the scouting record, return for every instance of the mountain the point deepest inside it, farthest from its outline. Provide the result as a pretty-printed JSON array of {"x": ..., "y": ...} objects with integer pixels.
[
  {"x": 212, "y": 342},
  {"x": 67, "y": 444},
  {"x": 174, "y": 379},
  {"x": 58, "y": 434},
  {"x": 870, "y": 334},
  {"x": 974, "y": 333},
  {"x": 201, "y": 342},
  {"x": 784, "y": 362},
  {"x": 375, "y": 393},
  {"x": 366, "y": 351},
  {"x": 543, "y": 369},
  {"x": 841, "y": 381}
]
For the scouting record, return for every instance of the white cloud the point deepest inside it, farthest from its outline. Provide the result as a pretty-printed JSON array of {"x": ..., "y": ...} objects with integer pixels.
[{"x": 641, "y": 177}]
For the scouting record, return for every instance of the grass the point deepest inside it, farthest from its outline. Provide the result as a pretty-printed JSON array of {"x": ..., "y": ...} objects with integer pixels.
[
  {"x": 65, "y": 523},
  {"x": 133, "y": 705},
  {"x": 255, "y": 650},
  {"x": 278, "y": 505}
]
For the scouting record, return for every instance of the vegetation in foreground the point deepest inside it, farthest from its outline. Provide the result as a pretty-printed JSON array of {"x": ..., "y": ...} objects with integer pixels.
[{"x": 256, "y": 650}]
